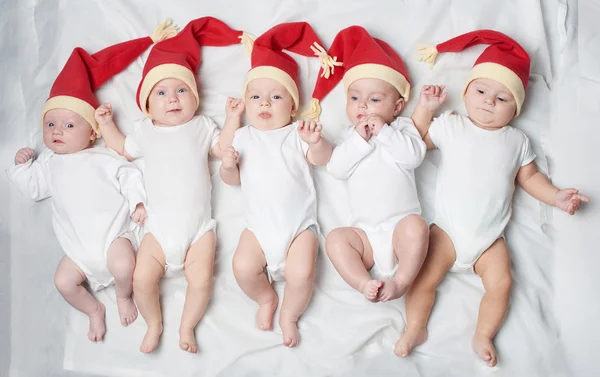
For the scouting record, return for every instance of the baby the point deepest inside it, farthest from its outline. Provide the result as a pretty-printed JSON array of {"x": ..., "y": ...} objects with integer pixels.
[
  {"x": 481, "y": 157},
  {"x": 270, "y": 159},
  {"x": 379, "y": 254},
  {"x": 94, "y": 191},
  {"x": 179, "y": 234}
]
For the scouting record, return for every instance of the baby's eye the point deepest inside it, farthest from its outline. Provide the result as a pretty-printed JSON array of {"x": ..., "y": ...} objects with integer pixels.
[
  {"x": 69, "y": 125},
  {"x": 276, "y": 96},
  {"x": 50, "y": 124},
  {"x": 354, "y": 98},
  {"x": 181, "y": 90},
  {"x": 161, "y": 92},
  {"x": 501, "y": 99},
  {"x": 480, "y": 91},
  {"x": 254, "y": 96},
  {"x": 375, "y": 100}
]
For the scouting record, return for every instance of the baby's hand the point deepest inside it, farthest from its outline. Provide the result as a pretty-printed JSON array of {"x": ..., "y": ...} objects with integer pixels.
[
  {"x": 104, "y": 114},
  {"x": 569, "y": 200},
  {"x": 364, "y": 130},
  {"x": 23, "y": 155},
  {"x": 310, "y": 131},
  {"x": 230, "y": 158},
  {"x": 139, "y": 215},
  {"x": 432, "y": 96},
  {"x": 234, "y": 107},
  {"x": 375, "y": 124}
]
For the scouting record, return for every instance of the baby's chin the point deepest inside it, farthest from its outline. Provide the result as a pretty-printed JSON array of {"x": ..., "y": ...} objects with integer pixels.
[{"x": 66, "y": 149}]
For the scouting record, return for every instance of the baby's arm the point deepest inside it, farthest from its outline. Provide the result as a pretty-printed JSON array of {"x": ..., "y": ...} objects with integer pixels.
[
  {"x": 132, "y": 187},
  {"x": 404, "y": 144},
  {"x": 233, "y": 118},
  {"x": 319, "y": 149},
  {"x": 28, "y": 176},
  {"x": 431, "y": 98},
  {"x": 537, "y": 185},
  {"x": 113, "y": 138},
  {"x": 348, "y": 154},
  {"x": 230, "y": 171}
]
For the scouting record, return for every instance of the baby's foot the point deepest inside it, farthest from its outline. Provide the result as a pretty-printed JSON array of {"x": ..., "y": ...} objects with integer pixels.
[
  {"x": 484, "y": 347},
  {"x": 370, "y": 289},
  {"x": 151, "y": 338},
  {"x": 409, "y": 340},
  {"x": 97, "y": 325},
  {"x": 392, "y": 289},
  {"x": 127, "y": 310},
  {"x": 291, "y": 338},
  {"x": 264, "y": 315},
  {"x": 187, "y": 340}
]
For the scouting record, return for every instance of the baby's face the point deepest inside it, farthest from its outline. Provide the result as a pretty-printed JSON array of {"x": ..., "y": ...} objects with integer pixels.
[
  {"x": 373, "y": 97},
  {"x": 269, "y": 105},
  {"x": 171, "y": 103},
  {"x": 490, "y": 105},
  {"x": 65, "y": 131}
]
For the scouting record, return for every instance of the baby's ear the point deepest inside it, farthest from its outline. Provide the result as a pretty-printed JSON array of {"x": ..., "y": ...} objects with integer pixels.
[{"x": 399, "y": 105}]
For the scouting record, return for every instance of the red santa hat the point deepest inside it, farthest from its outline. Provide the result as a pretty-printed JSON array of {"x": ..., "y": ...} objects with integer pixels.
[
  {"x": 504, "y": 61},
  {"x": 179, "y": 57},
  {"x": 362, "y": 56},
  {"x": 269, "y": 61},
  {"x": 84, "y": 73}
]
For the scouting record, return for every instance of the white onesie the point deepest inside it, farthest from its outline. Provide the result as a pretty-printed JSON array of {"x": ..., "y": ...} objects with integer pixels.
[
  {"x": 94, "y": 192},
  {"x": 476, "y": 182},
  {"x": 381, "y": 184},
  {"x": 278, "y": 190},
  {"x": 177, "y": 182}
]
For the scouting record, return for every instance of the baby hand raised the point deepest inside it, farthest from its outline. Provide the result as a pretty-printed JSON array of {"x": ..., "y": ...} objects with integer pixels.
[
  {"x": 432, "y": 96},
  {"x": 23, "y": 155},
  {"x": 234, "y": 107},
  {"x": 103, "y": 114},
  {"x": 230, "y": 158},
  {"x": 310, "y": 131},
  {"x": 364, "y": 130},
  {"x": 569, "y": 200},
  {"x": 375, "y": 124},
  {"x": 139, "y": 215}
]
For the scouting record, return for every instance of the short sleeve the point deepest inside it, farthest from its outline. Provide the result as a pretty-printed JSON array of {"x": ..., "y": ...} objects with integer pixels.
[
  {"x": 238, "y": 138},
  {"x": 438, "y": 130},
  {"x": 527, "y": 154},
  {"x": 303, "y": 144},
  {"x": 133, "y": 142},
  {"x": 213, "y": 130}
]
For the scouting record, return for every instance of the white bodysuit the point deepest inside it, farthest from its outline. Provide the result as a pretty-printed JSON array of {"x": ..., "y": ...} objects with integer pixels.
[
  {"x": 381, "y": 184},
  {"x": 476, "y": 182},
  {"x": 177, "y": 182},
  {"x": 278, "y": 190},
  {"x": 94, "y": 192}
]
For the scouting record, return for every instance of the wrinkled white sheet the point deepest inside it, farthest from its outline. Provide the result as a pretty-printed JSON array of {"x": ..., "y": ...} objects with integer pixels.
[{"x": 342, "y": 334}]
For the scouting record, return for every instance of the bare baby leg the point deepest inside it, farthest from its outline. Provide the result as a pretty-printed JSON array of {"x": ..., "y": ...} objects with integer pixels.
[
  {"x": 199, "y": 265},
  {"x": 421, "y": 295},
  {"x": 410, "y": 242},
  {"x": 248, "y": 268},
  {"x": 299, "y": 281},
  {"x": 494, "y": 268},
  {"x": 68, "y": 279},
  {"x": 150, "y": 267},
  {"x": 121, "y": 263},
  {"x": 352, "y": 256}
]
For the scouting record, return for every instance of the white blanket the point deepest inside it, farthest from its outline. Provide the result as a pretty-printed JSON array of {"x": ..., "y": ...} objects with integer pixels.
[{"x": 342, "y": 334}]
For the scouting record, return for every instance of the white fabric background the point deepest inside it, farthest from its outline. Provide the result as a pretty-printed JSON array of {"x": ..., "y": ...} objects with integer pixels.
[{"x": 553, "y": 308}]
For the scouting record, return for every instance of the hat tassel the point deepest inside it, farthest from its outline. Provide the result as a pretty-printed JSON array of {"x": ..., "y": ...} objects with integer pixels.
[
  {"x": 164, "y": 31},
  {"x": 428, "y": 54},
  {"x": 328, "y": 63},
  {"x": 314, "y": 110},
  {"x": 248, "y": 42}
]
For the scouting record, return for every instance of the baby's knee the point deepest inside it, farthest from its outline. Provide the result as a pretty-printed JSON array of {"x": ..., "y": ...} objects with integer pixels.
[
  {"x": 413, "y": 228},
  {"x": 299, "y": 276},
  {"x": 122, "y": 268},
  {"x": 501, "y": 286},
  {"x": 334, "y": 239},
  {"x": 144, "y": 279},
  {"x": 64, "y": 284},
  {"x": 245, "y": 267}
]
